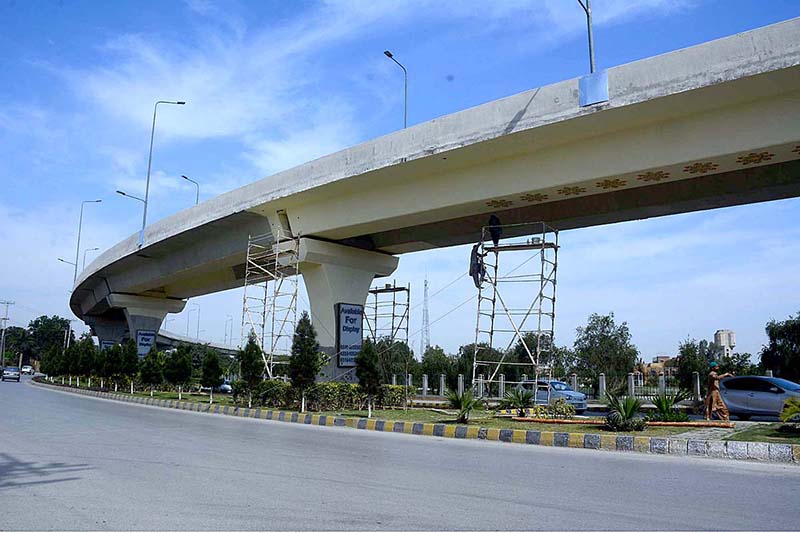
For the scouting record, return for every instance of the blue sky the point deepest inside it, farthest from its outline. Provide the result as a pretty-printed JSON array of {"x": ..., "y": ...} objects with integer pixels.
[{"x": 273, "y": 84}]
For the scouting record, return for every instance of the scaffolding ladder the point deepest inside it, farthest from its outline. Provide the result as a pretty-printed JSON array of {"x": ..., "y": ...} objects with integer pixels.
[
  {"x": 269, "y": 303},
  {"x": 386, "y": 312},
  {"x": 515, "y": 310}
]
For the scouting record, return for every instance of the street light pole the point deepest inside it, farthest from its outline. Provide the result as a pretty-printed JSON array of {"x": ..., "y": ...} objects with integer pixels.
[
  {"x": 4, "y": 320},
  {"x": 149, "y": 164},
  {"x": 388, "y": 54},
  {"x": 588, "y": 10},
  {"x": 84, "y": 256},
  {"x": 197, "y": 196},
  {"x": 78, "y": 246}
]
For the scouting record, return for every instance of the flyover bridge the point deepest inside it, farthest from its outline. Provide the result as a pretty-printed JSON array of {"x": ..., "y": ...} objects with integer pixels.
[{"x": 709, "y": 126}]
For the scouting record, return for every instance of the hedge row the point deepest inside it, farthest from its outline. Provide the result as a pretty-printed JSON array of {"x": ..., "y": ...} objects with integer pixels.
[{"x": 327, "y": 396}]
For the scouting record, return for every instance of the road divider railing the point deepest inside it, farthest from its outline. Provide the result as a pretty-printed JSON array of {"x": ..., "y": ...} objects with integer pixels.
[{"x": 752, "y": 451}]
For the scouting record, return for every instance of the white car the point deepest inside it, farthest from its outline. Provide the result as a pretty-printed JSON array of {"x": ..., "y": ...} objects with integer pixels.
[
  {"x": 748, "y": 396},
  {"x": 10, "y": 373},
  {"x": 27, "y": 369}
]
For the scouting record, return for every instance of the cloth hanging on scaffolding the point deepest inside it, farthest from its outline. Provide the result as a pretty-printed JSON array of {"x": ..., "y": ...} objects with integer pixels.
[{"x": 477, "y": 270}]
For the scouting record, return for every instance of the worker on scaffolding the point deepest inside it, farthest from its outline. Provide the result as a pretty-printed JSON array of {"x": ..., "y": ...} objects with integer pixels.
[{"x": 714, "y": 403}]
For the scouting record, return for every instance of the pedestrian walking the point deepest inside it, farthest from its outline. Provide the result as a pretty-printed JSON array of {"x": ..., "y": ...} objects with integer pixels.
[{"x": 714, "y": 402}]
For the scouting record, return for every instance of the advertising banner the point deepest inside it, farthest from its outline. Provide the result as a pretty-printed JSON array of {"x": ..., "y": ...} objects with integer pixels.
[
  {"x": 145, "y": 338},
  {"x": 349, "y": 332}
]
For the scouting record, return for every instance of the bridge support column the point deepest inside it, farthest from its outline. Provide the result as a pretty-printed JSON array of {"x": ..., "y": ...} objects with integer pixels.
[
  {"x": 144, "y": 316},
  {"x": 336, "y": 274},
  {"x": 108, "y": 330}
]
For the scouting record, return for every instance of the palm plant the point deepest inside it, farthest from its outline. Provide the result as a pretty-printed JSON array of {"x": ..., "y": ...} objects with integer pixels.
[
  {"x": 519, "y": 399},
  {"x": 464, "y": 403},
  {"x": 791, "y": 412},
  {"x": 622, "y": 414},
  {"x": 665, "y": 406}
]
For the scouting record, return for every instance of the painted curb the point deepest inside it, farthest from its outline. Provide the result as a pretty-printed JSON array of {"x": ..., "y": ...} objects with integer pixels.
[{"x": 752, "y": 451}]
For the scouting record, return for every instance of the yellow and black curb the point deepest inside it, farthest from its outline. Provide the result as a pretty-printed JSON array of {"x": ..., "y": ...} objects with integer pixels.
[{"x": 754, "y": 451}]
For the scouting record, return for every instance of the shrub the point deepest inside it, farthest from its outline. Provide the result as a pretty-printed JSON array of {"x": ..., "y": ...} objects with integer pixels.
[
  {"x": 392, "y": 395},
  {"x": 665, "y": 407},
  {"x": 519, "y": 399},
  {"x": 464, "y": 403},
  {"x": 560, "y": 408},
  {"x": 239, "y": 391},
  {"x": 333, "y": 396},
  {"x": 273, "y": 393},
  {"x": 622, "y": 415}
]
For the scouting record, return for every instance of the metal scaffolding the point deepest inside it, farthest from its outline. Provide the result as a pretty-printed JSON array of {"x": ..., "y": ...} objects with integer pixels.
[
  {"x": 269, "y": 304},
  {"x": 386, "y": 312},
  {"x": 516, "y": 308}
]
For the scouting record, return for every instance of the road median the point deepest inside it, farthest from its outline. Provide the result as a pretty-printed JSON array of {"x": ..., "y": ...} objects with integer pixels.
[{"x": 720, "y": 449}]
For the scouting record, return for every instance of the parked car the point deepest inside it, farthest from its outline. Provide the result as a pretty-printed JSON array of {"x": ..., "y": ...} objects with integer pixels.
[
  {"x": 225, "y": 388},
  {"x": 557, "y": 389},
  {"x": 748, "y": 396},
  {"x": 11, "y": 373},
  {"x": 27, "y": 369}
]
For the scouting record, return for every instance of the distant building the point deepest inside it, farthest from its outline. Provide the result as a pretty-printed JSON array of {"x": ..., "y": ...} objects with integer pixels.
[
  {"x": 660, "y": 365},
  {"x": 727, "y": 339}
]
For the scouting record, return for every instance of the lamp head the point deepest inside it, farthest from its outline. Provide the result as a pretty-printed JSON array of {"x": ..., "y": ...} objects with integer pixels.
[
  {"x": 180, "y": 103},
  {"x": 388, "y": 54}
]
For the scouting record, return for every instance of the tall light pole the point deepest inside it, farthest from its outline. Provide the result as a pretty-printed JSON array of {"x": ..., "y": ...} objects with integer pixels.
[
  {"x": 388, "y": 54},
  {"x": 84, "y": 255},
  {"x": 229, "y": 319},
  {"x": 149, "y": 164},
  {"x": 3, "y": 319},
  {"x": 588, "y": 10},
  {"x": 197, "y": 196},
  {"x": 78, "y": 246},
  {"x": 188, "y": 316}
]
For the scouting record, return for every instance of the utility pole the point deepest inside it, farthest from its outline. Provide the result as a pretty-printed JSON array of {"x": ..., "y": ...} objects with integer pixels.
[
  {"x": 3, "y": 335},
  {"x": 425, "y": 340}
]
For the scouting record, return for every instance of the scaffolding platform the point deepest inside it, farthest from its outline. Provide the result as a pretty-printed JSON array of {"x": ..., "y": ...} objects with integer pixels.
[
  {"x": 516, "y": 309},
  {"x": 269, "y": 303}
]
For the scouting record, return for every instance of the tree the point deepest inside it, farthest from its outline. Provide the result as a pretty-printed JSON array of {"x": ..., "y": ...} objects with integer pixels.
[
  {"x": 252, "y": 366},
  {"x": 782, "y": 354},
  {"x": 306, "y": 361},
  {"x": 396, "y": 357},
  {"x": 212, "y": 373},
  {"x": 604, "y": 347},
  {"x": 694, "y": 356},
  {"x": 465, "y": 360},
  {"x": 151, "y": 370},
  {"x": 85, "y": 353},
  {"x": 19, "y": 341},
  {"x": 738, "y": 363},
  {"x": 368, "y": 373},
  {"x": 129, "y": 362},
  {"x": 435, "y": 363},
  {"x": 178, "y": 367},
  {"x": 46, "y": 332}
]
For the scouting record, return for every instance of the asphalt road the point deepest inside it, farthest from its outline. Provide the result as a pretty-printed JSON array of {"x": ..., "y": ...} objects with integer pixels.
[{"x": 69, "y": 462}]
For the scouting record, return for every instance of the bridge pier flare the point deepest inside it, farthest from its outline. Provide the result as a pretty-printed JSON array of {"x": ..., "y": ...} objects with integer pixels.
[
  {"x": 333, "y": 274},
  {"x": 143, "y": 318}
]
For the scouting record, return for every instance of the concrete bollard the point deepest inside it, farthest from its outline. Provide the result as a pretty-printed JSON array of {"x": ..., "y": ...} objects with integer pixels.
[
  {"x": 631, "y": 385},
  {"x": 424, "y": 385},
  {"x": 662, "y": 384},
  {"x": 601, "y": 386},
  {"x": 524, "y": 377},
  {"x": 394, "y": 379},
  {"x": 79, "y": 381},
  {"x": 573, "y": 381},
  {"x": 441, "y": 384},
  {"x": 410, "y": 381},
  {"x": 480, "y": 386},
  {"x": 769, "y": 373},
  {"x": 501, "y": 391},
  {"x": 460, "y": 384},
  {"x": 696, "y": 385}
]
